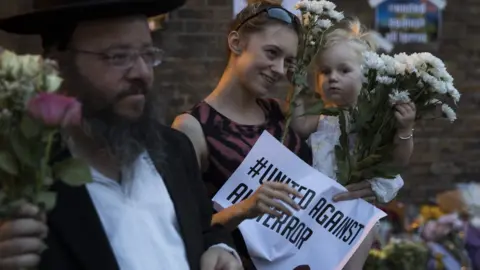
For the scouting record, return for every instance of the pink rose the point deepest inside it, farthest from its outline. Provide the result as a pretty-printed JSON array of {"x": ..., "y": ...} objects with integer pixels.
[{"x": 55, "y": 110}]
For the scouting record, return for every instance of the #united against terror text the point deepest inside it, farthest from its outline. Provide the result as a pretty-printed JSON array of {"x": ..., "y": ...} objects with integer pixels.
[{"x": 292, "y": 228}]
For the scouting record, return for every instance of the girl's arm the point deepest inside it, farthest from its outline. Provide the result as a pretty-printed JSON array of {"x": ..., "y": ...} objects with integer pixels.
[
  {"x": 230, "y": 217},
  {"x": 302, "y": 125},
  {"x": 403, "y": 147},
  {"x": 405, "y": 116},
  {"x": 262, "y": 201}
]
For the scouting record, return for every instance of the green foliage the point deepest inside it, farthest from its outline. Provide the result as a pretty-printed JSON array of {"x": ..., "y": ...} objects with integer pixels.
[
  {"x": 399, "y": 255},
  {"x": 73, "y": 172},
  {"x": 25, "y": 172}
]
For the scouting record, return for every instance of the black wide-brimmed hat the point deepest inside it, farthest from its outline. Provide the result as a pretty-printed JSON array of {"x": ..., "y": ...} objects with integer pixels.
[{"x": 47, "y": 14}]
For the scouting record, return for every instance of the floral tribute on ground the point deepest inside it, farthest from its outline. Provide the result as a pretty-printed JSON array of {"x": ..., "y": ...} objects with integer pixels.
[
  {"x": 420, "y": 78},
  {"x": 317, "y": 18},
  {"x": 31, "y": 115}
]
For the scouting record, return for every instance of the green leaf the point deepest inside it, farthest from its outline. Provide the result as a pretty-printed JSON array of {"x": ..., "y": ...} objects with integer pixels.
[
  {"x": 29, "y": 127},
  {"x": 8, "y": 163},
  {"x": 316, "y": 109},
  {"x": 47, "y": 200},
  {"x": 22, "y": 149},
  {"x": 382, "y": 170},
  {"x": 331, "y": 111},
  {"x": 342, "y": 172},
  {"x": 377, "y": 139},
  {"x": 73, "y": 172},
  {"x": 339, "y": 153},
  {"x": 300, "y": 79},
  {"x": 369, "y": 161}
]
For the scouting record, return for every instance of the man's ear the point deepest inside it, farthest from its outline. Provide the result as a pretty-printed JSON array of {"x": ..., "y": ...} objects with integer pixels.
[{"x": 234, "y": 43}]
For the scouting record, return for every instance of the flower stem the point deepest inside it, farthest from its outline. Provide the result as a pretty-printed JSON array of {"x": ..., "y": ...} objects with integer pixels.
[
  {"x": 291, "y": 103},
  {"x": 45, "y": 160}
]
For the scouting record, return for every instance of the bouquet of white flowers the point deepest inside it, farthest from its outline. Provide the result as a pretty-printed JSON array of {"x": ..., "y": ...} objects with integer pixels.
[
  {"x": 317, "y": 18},
  {"x": 420, "y": 78}
]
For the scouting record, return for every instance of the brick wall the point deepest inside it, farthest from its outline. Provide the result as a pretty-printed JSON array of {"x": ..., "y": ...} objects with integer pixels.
[{"x": 194, "y": 39}]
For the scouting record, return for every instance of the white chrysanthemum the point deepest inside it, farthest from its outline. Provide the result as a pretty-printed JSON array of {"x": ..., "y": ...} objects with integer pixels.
[
  {"x": 306, "y": 18},
  {"x": 449, "y": 112},
  {"x": 10, "y": 63},
  {"x": 407, "y": 61},
  {"x": 324, "y": 24},
  {"x": 52, "y": 83},
  {"x": 328, "y": 5},
  {"x": 335, "y": 15},
  {"x": 389, "y": 64},
  {"x": 385, "y": 80},
  {"x": 433, "y": 101},
  {"x": 431, "y": 60},
  {"x": 316, "y": 7},
  {"x": 439, "y": 87},
  {"x": 30, "y": 65},
  {"x": 441, "y": 74},
  {"x": 435, "y": 84},
  {"x": 372, "y": 61},
  {"x": 453, "y": 92},
  {"x": 400, "y": 68},
  {"x": 398, "y": 97}
]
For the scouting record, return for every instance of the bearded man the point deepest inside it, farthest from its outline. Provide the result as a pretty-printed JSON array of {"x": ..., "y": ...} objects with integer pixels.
[{"x": 146, "y": 208}]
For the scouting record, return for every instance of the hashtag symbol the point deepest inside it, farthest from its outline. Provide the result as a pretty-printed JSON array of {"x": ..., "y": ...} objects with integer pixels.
[{"x": 260, "y": 164}]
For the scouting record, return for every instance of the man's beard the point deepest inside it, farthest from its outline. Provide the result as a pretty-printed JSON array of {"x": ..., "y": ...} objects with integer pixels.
[{"x": 124, "y": 139}]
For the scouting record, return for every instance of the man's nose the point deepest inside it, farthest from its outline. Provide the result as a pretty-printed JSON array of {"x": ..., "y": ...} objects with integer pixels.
[{"x": 140, "y": 70}]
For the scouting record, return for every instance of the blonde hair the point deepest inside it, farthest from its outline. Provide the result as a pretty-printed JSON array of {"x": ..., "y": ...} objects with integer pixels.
[{"x": 348, "y": 30}]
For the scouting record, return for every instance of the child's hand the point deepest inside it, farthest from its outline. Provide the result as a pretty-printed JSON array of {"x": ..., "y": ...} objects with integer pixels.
[
  {"x": 361, "y": 190},
  {"x": 405, "y": 114}
]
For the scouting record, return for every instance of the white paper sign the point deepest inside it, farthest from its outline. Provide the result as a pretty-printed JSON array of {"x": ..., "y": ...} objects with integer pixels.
[
  {"x": 289, "y": 5},
  {"x": 321, "y": 236}
]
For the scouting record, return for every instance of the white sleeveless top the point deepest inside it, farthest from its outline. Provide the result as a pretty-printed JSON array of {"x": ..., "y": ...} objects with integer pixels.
[{"x": 323, "y": 143}]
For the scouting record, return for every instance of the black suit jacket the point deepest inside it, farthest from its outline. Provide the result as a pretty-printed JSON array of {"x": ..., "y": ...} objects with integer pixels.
[{"x": 76, "y": 237}]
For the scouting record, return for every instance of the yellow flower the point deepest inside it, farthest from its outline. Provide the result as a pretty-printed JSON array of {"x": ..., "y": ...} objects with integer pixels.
[
  {"x": 430, "y": 212},
  {"x": 52, "y": 83},
  {"x": 9, "y": 63},
  {"x": 30, "y": 65},
  {"x": 377, "y": 253}
]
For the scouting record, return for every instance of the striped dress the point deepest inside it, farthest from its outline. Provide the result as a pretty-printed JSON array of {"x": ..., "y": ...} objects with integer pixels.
[{"x": 228, "y": 144}]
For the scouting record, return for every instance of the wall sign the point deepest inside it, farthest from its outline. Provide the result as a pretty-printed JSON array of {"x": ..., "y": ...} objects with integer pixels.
[{"x": 408, "y": 21}]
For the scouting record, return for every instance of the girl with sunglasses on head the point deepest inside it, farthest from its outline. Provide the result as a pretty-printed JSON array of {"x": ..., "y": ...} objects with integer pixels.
[{"x": 262, "y": 44}]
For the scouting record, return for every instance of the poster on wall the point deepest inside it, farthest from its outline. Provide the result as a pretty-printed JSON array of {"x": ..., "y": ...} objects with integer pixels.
[
  {"x": 409, "y": 21},
  {"x": 238, "y": 5}
]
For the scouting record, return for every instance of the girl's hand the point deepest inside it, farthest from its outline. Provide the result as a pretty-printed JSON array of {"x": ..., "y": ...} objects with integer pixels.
[
  {"x": 267, "y": 200},
  {"x": 405, "y": 114},
  {"x": 361, "y": 190}
]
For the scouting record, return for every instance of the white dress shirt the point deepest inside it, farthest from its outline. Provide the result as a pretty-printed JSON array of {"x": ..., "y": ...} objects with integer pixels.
[{"x": 139, "y": 218}]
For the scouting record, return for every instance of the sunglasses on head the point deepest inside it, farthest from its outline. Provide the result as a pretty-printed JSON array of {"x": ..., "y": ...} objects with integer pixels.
[{"x": 277, "y": 13}]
